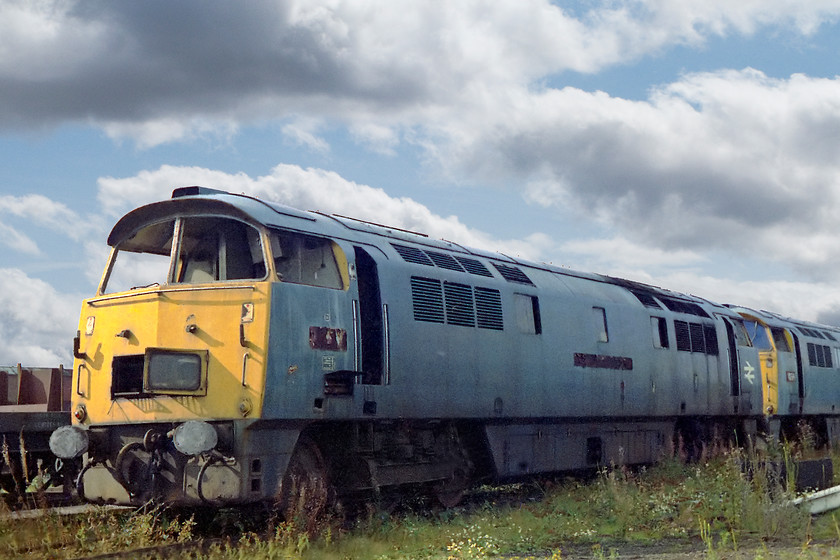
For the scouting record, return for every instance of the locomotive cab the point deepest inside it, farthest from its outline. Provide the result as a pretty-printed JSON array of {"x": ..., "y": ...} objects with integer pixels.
[{"x": 171, "y": 352}]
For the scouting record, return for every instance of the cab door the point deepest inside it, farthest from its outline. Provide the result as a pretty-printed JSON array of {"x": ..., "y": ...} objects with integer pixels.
[
  {"x": 789, "y": 370},
  {"x": 762, "y": 340},
  {"x": 780, "y": 369},
  {"x": 744, "y": 366},
  {"x": 311, "y": 359}
]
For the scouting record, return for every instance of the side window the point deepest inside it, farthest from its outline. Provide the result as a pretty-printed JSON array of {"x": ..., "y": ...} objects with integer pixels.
[
  {"x": 305, "y": 259},
  {"x": 527, "y": 309},
  {"x": 599, "y": 322},
  {"x": 740, "y": 332},
  {"x": 819, "y": 355},
  {"x": 659, "y": 332},
  {"x": 780, "y": 339}
]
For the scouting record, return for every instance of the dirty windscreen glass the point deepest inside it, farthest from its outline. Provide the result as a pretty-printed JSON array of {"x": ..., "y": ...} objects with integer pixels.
[
  {"x": 758, "y": 335},
  {"x": 142, "y": 259},
  {"x": 217, "y": 249}
]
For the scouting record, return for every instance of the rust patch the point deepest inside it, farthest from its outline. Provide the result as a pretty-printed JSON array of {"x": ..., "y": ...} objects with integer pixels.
[{"x": 325, "y": 338}]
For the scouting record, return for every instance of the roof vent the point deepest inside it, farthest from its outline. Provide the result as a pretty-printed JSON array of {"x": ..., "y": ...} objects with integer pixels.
[{"x": 195, "y": 191}]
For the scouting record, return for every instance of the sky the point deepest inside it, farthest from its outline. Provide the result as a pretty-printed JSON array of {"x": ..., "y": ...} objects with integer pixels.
[{"x": 689, "y": 145}]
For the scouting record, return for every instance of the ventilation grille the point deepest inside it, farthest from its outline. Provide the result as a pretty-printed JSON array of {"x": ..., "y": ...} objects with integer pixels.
[
  {"x": 512, "y": 274},
  {"x": 696, "y": 337},
  {"x": 488, "y": 304},
  {"x": 459, "y": 305},
  {"x": 646, "y": 299},
  {"x": 428, "y": 299},
  {"x": 441, "y": 260},
  {"x": 684, "y": 307},
  {"x": 474, "y": 267},
  {"x": 412, "y": 255},
  {"x": 445, "y": 261},
  {"x": 817, "y": 334},
  {"x": 456, "y": 304},
  {"x": 683, "y": 338}
]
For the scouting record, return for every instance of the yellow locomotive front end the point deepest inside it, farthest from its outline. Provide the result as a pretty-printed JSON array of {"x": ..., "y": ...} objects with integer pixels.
[{"x": 183, "y": 306}]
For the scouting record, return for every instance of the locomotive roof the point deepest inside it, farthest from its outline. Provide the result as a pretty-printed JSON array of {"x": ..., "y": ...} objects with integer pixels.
[
  {"x": 807, "y": 328},
  {"x": 195, "y": 201}
]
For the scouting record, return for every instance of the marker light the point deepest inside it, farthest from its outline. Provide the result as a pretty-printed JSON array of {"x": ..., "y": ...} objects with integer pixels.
[
  {"x": 195, "y": 437},
  {"x": 68, "y": 442}
]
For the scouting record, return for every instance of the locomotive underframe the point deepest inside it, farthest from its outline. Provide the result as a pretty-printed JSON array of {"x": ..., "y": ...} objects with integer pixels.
[
  {"x": 132, "y": 464},
  {"x": 357, "y": 460}
]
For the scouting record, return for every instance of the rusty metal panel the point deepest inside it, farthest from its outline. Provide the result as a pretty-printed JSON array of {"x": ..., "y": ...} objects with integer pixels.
[
  {"x": 603, "y": 362},
  {"x": 327, "y": 338}
]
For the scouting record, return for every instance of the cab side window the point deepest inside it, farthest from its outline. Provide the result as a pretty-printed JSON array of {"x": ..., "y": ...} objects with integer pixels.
[
  {"x": 599, "y": 323},
  {"x": 305, "y": 259},
  {"x": 659, "y": 330}
]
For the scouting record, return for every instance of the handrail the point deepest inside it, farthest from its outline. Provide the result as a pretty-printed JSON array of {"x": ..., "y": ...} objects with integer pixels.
[
  {"x": 79, "y": 380},
  {"x": 244, "y": 365},
  {"x": 386, "y": 340},
  {"x": 357, "y": 343}
]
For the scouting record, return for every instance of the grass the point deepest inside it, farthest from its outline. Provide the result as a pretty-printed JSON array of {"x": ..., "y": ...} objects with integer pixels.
[{"x": 713, "y": 507}]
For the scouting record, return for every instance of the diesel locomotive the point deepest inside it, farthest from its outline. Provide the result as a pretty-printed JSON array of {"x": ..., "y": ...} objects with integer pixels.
[{"x": 239, "y": 351}]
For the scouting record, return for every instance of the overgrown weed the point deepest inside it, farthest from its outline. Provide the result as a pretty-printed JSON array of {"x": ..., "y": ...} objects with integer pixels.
[{"x": 719, "y": 505}]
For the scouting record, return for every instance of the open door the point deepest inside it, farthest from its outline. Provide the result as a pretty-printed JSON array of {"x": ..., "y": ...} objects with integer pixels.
[{"x": 370, "y": 320}]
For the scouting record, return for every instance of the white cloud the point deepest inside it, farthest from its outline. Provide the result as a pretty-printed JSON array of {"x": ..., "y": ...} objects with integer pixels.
[
  {"x": 378, "y": 138},
  {"x": 14, "y": 239},
  {"x": 623, "y": 253},
  {"x": 119, "y": 195},
  {"x": 39, "y": 209},
  {"x": 36, "y": 321},
  {"x": 729, "y": 160},
  {"x": 303, "y": 132},
  {"x": 154, "y": 132}
]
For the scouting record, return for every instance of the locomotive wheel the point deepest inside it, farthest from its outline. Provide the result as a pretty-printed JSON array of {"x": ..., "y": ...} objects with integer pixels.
[
  {"x": 305, "y": 491},
  {"x": 450, "y": 492}
]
